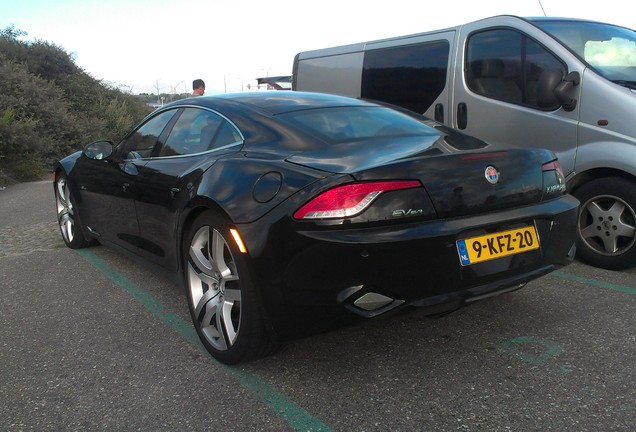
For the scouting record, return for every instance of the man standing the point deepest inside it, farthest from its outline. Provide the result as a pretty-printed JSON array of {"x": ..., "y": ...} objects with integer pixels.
[{"x": 198, "y": 87}]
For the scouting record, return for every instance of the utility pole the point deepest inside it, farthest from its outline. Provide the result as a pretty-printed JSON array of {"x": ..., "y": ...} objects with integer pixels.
[{"x": 158, "y": 95}]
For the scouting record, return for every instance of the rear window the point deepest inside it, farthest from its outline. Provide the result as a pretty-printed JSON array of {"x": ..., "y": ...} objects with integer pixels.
[{"x": 355, "y": 123}]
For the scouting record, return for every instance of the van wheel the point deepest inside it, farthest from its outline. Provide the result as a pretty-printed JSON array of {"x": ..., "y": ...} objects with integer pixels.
[
  {"x": 221, "y": 297},
  {"x": 607, "y": 223}
]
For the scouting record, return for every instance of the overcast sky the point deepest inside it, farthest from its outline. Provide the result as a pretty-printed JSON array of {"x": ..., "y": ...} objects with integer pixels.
[{"x": 145, "y": 45}]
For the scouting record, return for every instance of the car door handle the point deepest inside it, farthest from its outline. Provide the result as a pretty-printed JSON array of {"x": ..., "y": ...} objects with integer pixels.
[
  {"x": 462, "y": 116},
  {"x": 439, "y": 113},
  {"x": 174, "y": 192},
  {"x": 126, "y": 187}
]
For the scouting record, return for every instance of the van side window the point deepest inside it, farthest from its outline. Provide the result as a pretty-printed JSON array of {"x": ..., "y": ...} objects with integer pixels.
[
  {"x": 507, "y": 65},
  {"x": 410, "y": 76}
]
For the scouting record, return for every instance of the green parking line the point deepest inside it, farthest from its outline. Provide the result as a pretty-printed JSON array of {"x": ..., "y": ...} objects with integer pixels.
[
  {"x": 594, "y": 282},
  {"x": 294, "y": 415}
]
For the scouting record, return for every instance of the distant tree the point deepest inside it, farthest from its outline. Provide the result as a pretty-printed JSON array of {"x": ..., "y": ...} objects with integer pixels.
[{"x": 11, "y": 33}]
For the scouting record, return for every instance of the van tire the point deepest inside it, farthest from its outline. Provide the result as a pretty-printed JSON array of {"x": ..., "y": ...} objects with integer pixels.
[{"x": 606, "y": 227}]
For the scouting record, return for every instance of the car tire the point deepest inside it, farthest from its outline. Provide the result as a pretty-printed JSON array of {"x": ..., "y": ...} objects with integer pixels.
[
  {"x": 222, "y": 299},
  {"x": 70, "y": 226},
  {"x": 606, "y": 228}
]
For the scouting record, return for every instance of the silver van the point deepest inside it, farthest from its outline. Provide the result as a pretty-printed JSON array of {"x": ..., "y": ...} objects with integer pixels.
[{"x": 564, "y": 84}]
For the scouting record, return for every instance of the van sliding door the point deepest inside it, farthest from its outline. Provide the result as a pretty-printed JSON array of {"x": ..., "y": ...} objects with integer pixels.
[{"x": 411, "y": 72}]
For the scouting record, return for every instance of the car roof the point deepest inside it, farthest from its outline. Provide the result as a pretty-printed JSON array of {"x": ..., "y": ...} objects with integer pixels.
[{"x": 276, "y": 102}]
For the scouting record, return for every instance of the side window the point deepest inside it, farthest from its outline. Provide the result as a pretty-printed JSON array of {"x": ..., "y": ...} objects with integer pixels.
[
  {"x": 141, "y": 142},
  {"x": 197, "y": 131},
  {"x": 410, "y": 76},
  {"x": 506, "y": 65}
]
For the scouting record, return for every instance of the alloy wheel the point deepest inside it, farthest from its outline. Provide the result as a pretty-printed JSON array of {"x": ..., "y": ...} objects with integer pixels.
[
  {"x": 607, "y": 225},
  {"x": 213, "y": 286},
  {"x": 65, "y": 215}
]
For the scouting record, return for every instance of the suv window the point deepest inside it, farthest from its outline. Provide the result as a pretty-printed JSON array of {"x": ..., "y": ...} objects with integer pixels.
[
  {"x": 506, "y": 65},
  {"x": 410, "y": 76}
]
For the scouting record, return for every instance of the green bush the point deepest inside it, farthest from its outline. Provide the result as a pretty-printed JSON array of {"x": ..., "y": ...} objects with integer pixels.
[
  {"x": 50, "y": 107},
  {"x": 29, "y": 168}
]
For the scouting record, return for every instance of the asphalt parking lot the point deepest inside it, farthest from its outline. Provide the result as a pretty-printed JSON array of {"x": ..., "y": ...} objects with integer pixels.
[{"x": 93, "y": 341}]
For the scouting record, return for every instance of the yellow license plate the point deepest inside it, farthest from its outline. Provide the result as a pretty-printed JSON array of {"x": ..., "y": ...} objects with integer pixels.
[{"x": 491, "y": 246}]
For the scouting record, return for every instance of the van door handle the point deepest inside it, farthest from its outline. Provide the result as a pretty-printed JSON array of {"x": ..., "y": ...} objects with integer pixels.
[
  {"x": 439, "y": 113},
  {"x": 462, "y": 116}
]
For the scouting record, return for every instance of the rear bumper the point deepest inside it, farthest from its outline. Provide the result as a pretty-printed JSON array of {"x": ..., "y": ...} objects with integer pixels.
[{"x": 314, "y": 279}]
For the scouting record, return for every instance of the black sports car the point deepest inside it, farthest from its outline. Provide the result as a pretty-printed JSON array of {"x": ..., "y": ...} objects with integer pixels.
[{"x": 288, "y": 213}]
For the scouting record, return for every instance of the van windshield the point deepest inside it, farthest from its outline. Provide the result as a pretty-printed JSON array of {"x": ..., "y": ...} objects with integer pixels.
[{"x": 608, "y": 49}]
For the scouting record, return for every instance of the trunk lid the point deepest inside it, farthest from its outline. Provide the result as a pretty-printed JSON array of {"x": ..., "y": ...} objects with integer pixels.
[{"x": 458, "y": 181}]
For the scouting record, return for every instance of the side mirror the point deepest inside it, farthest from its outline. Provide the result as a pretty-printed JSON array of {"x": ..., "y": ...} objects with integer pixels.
[
  {"x": 548, "y": 81},
  {"x": 98, "y": 150},
  {"x": 552, "y": 91},
  {"x": 563, "y": 90}
]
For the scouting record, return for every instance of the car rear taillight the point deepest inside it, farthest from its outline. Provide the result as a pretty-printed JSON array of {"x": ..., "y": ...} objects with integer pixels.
[
  {"x": 553, "y": 179},
  {"x": 349, "y": 200},
  {"x": 554, "y": 165}
]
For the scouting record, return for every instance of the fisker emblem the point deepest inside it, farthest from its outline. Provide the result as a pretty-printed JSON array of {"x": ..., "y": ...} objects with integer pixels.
[{"x": 491, "y": 174}]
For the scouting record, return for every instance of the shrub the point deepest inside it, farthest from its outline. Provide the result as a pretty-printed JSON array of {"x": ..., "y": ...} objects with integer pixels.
[
  {"x": 29, "y": 168},
  {"x": 50, "y": 107}
]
